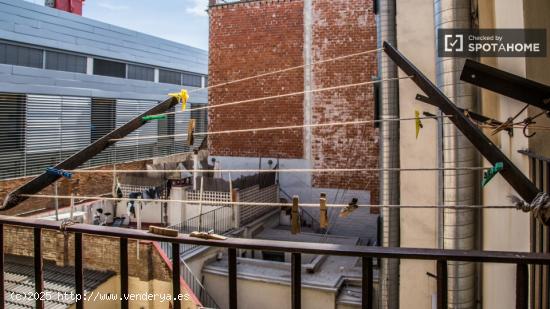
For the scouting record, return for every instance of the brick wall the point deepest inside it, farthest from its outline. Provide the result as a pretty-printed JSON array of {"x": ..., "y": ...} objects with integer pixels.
[
  {"x": 89, "y": 184},
  {"x": 247, "y": 39},
  {"x": 100, "y": 253},
  {"x": 252, "y": 37},
  {"x": 343, "y": 27}
]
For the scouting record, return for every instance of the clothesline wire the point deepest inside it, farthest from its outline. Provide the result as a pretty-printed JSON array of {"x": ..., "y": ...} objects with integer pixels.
[
  {"x": 286, "y": 69},
  {"x": 296, "y": 170},
  {"x": 260, "y": 204},
  {"x": 286, "y": 95},
  {"x": 316, "y": 125}
]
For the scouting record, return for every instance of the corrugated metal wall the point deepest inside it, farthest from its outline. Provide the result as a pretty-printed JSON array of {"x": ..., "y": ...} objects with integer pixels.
[{"x": 38, "y": 131}]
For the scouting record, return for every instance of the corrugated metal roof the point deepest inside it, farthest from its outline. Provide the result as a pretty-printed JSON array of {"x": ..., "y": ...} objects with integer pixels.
[{"x": 19, "y": 279}]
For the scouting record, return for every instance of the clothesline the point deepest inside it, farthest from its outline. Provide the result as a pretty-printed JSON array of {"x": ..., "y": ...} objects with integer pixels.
[
  {"x": 259, "y": 204},
  {"x": 291, "y": 170},
  {"x": 317, "y": 125},
  {"x": 287, "y": 69},
  {"x": 286, "y": 95}
]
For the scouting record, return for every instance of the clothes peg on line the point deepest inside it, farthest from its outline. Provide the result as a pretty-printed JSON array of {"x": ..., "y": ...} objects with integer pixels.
[
  {"x": 418, "y": 123},
  {"x": 153, "y": 117},
  {"x": 295, "y": 216},
  {"x": 323, "y": 220},
  {"x": 489, "y": 174},
  {"x": 182, "y": 97},
  {"x": 350, "y": 208},
  {"x": 191, "y": 132},
  {"x": 59, "y": 172}
]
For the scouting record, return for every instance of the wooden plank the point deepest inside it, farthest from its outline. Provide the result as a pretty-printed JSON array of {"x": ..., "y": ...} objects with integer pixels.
[
  {"x": 42, "y": 181},
  {"x": 513, "y": 175}
]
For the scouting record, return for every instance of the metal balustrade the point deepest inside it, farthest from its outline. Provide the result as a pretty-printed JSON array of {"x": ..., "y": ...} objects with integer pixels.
[{"x": 367, "y": 254}]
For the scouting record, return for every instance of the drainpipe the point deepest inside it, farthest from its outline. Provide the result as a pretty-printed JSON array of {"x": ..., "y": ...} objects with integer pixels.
[
  {"x": 458, "y": 187},
  {"x": 389, "y": 156}
]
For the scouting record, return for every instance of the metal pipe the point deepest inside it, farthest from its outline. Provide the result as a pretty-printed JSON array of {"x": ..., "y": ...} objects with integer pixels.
[
  {"x": 459, "y": 187},
  {"x": 389, "y": 156}
]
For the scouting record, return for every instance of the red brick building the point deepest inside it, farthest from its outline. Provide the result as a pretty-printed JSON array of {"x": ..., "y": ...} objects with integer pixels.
[{"x": 248, "y": 38}]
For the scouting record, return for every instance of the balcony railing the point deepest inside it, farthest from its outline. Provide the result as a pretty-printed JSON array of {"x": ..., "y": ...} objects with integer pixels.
[{"x": 367, "y": 254}]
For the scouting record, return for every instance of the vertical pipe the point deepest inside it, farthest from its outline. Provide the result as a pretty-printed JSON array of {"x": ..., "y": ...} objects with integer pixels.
[
  {"x": 442, "y": 288},
  {"x": 2, "y": 300},
  {"x": 123, "y": 255},
  {"x": 389, "y": 157},
  {"x": 459, "y": 187},
  {"x": 367, "y": 285},
  {"x": 38, "y": 268},
  {"x": 522, "y": 286},
  {"x": 176, "y": 288},
  {"x": 296, "y": 286},
  {"x": 232, "y": 259},
  {"x": 78, "y": 271}
]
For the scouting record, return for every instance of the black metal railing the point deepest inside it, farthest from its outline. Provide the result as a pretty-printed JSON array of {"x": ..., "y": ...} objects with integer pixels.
[{"x": 367, "y": 254}]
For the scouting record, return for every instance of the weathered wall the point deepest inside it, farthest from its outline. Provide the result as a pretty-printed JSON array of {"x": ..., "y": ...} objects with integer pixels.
[
  {"x": 344, "y": 27},
  {"x": 254, "y": 37},
  {"x": 100, "y": 253},
  {"x": 416, "y": 40},
  {"x": 89, "y": 184},
  {"x": 247, "y": 39}
]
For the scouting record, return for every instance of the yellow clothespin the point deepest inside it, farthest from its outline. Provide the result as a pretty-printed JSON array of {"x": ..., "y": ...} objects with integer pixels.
[
  {"x": 323, "y": 221},
  {"x": 182, "y": 97},
  {"x": 349, "y": 209},
  {"x": 418, "y": 123},
  {"x": 295, "y": 216},
  {"x": 191, "y": 132}
]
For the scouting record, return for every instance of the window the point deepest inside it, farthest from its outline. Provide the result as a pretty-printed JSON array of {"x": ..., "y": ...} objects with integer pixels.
[
  {"x": 65, "y": 62},
  {"x": 21, "y": 55},
  {"x": 103, "y": 117},
  {"x": 109, "y": 68},
  {"x": 141, "y": 73},
  {"x": 169, "y": 77},
  {"x": 192, "y": 80}
]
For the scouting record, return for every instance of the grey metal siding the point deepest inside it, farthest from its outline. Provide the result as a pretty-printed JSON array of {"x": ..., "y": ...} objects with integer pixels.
[{"x": 65, "y": 62}]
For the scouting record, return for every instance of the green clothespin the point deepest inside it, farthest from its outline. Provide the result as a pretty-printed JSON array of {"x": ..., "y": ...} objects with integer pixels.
[
  {"x": 417, "y": 122},
  {"x": 488, "y": 175},
  {"x": 153, "y": 117}
]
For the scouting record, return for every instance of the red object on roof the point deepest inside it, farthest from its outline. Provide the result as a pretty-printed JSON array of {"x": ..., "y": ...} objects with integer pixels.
[{"x": 71, "y": 6}]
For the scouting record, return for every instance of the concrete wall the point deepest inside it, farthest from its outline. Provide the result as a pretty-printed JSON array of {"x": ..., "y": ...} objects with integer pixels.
[
  {"x": 506, "y": 230},
  {"x": 272, "y": 295},
  {"x": 416, "y": 40}
]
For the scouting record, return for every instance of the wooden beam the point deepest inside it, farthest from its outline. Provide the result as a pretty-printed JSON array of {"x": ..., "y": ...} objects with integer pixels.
[
  {"x": 42, "y": 181},
  {"x": 523, "y": 186}
]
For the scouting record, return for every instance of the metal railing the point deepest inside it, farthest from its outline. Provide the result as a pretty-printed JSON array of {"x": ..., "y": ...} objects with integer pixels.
[
  {"x": 196, "y": 286},
  {"x": 367, "y": 254},
  {"x": 217, "y": 220}
]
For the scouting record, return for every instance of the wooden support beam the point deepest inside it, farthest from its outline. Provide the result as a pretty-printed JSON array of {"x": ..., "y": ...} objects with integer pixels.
[
  {"x": 508, "y": 84},
  {"x": 40, "y": 182},
  {"x": 523, "y": 186}
]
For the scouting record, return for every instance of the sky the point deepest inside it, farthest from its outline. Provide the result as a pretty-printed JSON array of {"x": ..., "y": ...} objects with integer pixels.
[{"x": 182, "y": 21}]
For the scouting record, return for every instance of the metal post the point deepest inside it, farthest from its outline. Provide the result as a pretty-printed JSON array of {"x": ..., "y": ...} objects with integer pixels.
[
  {"x": 296, "y": 285},
  {"x": 176, "y": 286},
  {"x": 38, "y": 268},
  {"x": 441, "y": 284},
  {"x": 522, "y": 286},
  {"x": 232, "y": 257},
  {"x": 123, "y": 273},
  {"x": 367, "y": 285},
  {"x": 78, "y": 271}
]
